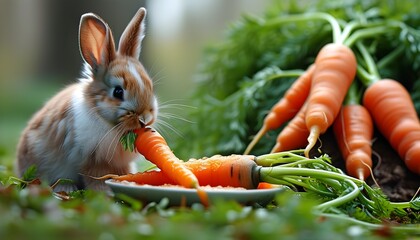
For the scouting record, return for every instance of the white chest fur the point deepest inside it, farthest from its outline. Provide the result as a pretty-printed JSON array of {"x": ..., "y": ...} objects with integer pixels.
[{"x": 95, "y": 139}]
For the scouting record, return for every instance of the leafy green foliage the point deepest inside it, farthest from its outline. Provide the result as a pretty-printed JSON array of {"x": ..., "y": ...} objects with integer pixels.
[
  {"x": 127, "y": 141},
  {"x": 34, "y": 213},
  {"x": 335, "y": 193},
  {"x": 29, "y": 174}
]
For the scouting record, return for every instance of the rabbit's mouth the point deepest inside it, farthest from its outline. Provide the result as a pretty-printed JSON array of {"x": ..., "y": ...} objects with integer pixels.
[{"x": 132, "y": 121}]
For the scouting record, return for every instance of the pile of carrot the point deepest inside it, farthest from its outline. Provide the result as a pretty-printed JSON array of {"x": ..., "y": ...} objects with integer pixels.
[{"x": 328, "y": 95}]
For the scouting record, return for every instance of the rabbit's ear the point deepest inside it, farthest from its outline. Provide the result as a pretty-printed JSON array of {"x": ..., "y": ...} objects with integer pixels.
[
  {"x": 95, "y": 41},
  {"x": 130, "y": 41}
]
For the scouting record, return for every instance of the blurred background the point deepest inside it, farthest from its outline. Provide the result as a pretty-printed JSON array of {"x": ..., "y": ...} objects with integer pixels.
[{"x": 39, "y": 52}]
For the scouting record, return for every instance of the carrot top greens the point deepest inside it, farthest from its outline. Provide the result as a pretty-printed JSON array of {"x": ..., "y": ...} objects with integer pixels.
[{"x": 127, "y": 141}]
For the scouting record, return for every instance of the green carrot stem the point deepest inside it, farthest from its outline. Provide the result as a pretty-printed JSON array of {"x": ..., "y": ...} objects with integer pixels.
[
  {"x": 285, "y": 74},
  {"x": 365, "y": 33},
  {"x": 361, "y": 23},
  {"x": 353, "y": 95},
  {"x": 400, "y": 205},
  {"x": 279, "y": 181},
  {"x": 335, "y": 26},
  {"x": 370, "y": 63},
  {"x": 316, "y": 173},
  {"x": 347, "y": 30},
  {"x": 305, "y": 162},
  {"x": 335, "y": 184},
  {"x": 279, "y": 158},
  {"x": 366, "y": 78},
  {"x": 371, "y": 74},
  {"x": 298, "y": 182},
  {"x": 342, "y": 199}
]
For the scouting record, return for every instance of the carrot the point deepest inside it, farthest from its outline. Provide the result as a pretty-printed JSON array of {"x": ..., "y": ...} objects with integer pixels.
[
  {"x": 265, "y": 185},
  {"x": 396, "y": 118},
  {"x": 287, "y": 107},
  {"x": 152, "y": 177},
  {"x": 154, "y": 148},
  {"x": 353, "y": 131},
  {"x": 294, "y": 134},
  {"x": 334, "y": 72},
  {"x": 225, "y": 171},
  {"x": 233, "y": 171},
  {"x": 392, "y": 110}
]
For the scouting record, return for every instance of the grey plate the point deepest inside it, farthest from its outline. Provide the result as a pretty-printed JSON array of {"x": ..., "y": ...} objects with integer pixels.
[{"x": 176, "y": 195}]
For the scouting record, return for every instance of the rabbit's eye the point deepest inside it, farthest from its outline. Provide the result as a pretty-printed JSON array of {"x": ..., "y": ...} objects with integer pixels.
[{"x": 118, "y": 93}]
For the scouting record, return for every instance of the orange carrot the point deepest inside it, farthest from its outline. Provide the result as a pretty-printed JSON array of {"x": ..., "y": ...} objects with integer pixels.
[
  {"x": 225, "y": 171},
  {"x": 152, "y": 177},
  {"x": 233, "y": 171},
  {"x": 154, "y": 148},
  {"x": 334, "y": 72},
  {"x": 294, "y": 134},
  {"x": 394, "y": 114},
  {"x": 353, "y": 131},
  {"x": 287, "y": 107},
  {"x": 265, "y": 185}
]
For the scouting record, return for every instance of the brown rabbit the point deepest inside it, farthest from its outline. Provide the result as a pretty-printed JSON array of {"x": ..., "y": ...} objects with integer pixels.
[{"x": 76, "y": 134}]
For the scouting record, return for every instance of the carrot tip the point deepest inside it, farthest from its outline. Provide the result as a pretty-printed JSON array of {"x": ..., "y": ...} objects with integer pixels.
[
  {"x": 204, "y": 198},
  {"x": 255, "y": 140},
  {"x": 313, "y": 137},
  {"x": 104, "y": 177},
  {"x": 360, "y": 174},
  {"x": 276, "y": 148}
]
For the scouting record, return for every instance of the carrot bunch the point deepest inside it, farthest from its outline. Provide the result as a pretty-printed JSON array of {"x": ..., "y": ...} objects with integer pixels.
[
  {"x": 327, "y": 97},
  {"x": 313, "y": 101},
  {"x": 321, "y": 91}
]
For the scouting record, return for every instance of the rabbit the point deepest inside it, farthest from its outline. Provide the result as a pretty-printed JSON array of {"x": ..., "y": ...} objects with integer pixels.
[{"x": 76, "y": 134}]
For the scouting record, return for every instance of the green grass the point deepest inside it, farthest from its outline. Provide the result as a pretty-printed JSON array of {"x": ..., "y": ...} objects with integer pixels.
[
  {"x": 33, "y": 213},
  {"x": 18, "y": 101}
]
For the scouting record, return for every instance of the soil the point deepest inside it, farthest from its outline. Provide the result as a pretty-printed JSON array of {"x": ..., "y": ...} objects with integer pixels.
[{"x": 389, "y": 170}]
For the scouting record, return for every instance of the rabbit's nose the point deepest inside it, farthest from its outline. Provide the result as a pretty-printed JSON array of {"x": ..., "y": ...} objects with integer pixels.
[
  {"x": 142, "y": 123},
  {"x": 146, "y": 119}
]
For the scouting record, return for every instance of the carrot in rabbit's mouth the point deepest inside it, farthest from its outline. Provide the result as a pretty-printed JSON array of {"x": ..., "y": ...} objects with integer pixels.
[{"x": 154, "y": 148}]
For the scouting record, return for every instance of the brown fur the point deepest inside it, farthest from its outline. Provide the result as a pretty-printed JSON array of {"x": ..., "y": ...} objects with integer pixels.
[{"x": 76, "y": 134}]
